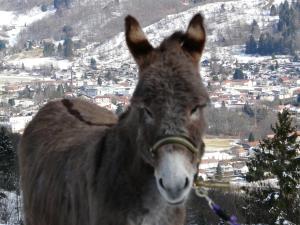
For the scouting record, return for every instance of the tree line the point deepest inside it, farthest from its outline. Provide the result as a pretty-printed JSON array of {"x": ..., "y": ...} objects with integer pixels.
[
  {"x": 284, "y": 36},
  {"x": 9, "y": 176},
  {"x": 275, "y": 160},
  {"x": 62, "y": 50},
  {"x": 240, "y": 122}
]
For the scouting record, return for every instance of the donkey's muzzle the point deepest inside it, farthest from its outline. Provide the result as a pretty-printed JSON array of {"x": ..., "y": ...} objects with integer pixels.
[
  {"x": 175, "y": 193},
  {"x": 175, "y": 169}
]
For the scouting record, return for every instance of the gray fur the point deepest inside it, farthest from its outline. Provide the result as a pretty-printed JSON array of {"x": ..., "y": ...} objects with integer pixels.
[{"x": 81, "y": 165}]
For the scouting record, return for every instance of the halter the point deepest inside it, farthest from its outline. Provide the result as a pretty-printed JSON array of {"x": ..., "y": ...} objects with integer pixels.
[
  {"x": 180, "y": 140},
  {"x": 200, "y": 192}
]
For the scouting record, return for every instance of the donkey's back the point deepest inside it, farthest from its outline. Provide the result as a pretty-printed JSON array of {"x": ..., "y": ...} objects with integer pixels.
[{"x": 55, "y": 160}]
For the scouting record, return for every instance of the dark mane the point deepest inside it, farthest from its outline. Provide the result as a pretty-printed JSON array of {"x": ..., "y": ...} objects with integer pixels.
[
  {"x": 177, "y": 37},
  {"x": 124, "y": 114}
]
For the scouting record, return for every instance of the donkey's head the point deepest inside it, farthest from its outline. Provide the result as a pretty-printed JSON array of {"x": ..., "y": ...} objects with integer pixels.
[{"x": 168, "y": 103}]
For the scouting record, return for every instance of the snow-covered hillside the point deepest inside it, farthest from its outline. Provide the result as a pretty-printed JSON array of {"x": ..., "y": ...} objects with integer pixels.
[
  {"x": 221, "y": 18},
  {"x": 224, "y": 19},
  {"x": 11, "y": 23}
]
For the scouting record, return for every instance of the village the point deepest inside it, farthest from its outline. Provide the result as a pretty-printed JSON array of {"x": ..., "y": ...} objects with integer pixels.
[
  {"x": 246, "y": 90},
  {"x": 24, "y": 90}
]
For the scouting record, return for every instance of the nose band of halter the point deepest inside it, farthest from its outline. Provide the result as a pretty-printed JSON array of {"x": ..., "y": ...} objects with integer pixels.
[{"x": 180, "y": 140}]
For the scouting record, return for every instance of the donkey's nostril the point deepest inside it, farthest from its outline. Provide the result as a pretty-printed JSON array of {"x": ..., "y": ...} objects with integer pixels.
[
  {"x": 187, "y": 182},
  {"x": 161, "y": 183}
]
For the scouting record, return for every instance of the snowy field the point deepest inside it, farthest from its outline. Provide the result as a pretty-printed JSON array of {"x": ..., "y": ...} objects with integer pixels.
[
  {"x": 41, "y": 61},
  {"x": 18, "y": 78},
  {"x": 12, "y": 24}
]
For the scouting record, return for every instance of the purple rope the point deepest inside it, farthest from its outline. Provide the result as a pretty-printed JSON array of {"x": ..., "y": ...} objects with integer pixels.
[
  {"x": 232, "y": 220},
  {"x": 217, "y": 209}
]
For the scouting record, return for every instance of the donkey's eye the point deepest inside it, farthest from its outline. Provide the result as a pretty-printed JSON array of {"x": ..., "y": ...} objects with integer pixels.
[{"x": 195, "y": 109}]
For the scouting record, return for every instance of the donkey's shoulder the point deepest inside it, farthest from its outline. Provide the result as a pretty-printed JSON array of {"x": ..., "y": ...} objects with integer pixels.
[
  {"x": 64, "y": 123},
  {"x": 81, "y": 110},
  {"x": 88, "y": 112}
]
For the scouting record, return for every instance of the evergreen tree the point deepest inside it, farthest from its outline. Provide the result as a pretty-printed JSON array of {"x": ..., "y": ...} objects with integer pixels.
[
  {"x": 238, "y": 74},
  {"x": 223, "y": 105},
  {"x": 222, "y": 8},
  {"x": 60, "y": 50},
  {"x": 272, "y": 67},
  {"x": 99, "y": 81},
  {"x": 273, "y": 11},
  {"x": 251, "y": 137},
  {"x": 261, "y": 44},
  {"x": 267, "y": 44},
  {"x": 254, "y": 23},
  {"x": 248, "y": 110},
  {"x": 287, "y": 26},
  {"x": 29, "y": 45},
  {"x": 251, "y": 46},
  {"x": 60, "y": 91},
  {"x": 68, "y": 48},
  {"x": 11, "y": 102},
  {"x": 255, "y": 28},
  {"x": 276, "y": 158},
  {"x": 49, "y": 49},
  {"x": 26, "y": 93},
  {"x": 219, "y": 174},
  {"x": 256, "y": 209},
  {"x": 119, "y": 109},
  {"x": 57, "y": 4},
  {"x": 68, "y": 3},
  {"x": 7, "y": 162},
  {"x": 284, "y": 17},
  {"x": 2, "y": 45},
  {"x": 93, "y": 64},
  {"x": 44, "y": 8},
  {"x": 68, "y": 31},
  {"x": 215, "y": 78},
  {"x": 295, "y": 58}
]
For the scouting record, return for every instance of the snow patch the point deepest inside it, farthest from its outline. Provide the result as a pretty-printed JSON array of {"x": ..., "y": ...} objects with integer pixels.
[
  {"x": 12, "y": 24},
  {"x": 38, "y": 62}
]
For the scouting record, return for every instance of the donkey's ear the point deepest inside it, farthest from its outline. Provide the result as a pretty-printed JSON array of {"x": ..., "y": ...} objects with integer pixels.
[
  {"x": 195, "y": 37},
  {"x": 136, "y": 40}
]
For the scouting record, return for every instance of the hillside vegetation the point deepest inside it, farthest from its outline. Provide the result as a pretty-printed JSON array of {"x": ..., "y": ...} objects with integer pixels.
[{"x": 97, "y": 20}]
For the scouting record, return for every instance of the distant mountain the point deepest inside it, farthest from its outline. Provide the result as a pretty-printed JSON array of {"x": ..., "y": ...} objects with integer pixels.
[
  {"x": 228, "y": 25},
  {"x": 91, "y": 20},
  {"x": 100, "y": 25}
]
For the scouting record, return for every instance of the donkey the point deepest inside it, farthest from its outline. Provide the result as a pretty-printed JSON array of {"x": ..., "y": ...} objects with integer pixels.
[{"x": 80, "y": 165}]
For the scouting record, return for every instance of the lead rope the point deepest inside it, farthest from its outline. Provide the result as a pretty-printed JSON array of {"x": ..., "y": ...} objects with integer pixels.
[{"x": 202, "y": 193}]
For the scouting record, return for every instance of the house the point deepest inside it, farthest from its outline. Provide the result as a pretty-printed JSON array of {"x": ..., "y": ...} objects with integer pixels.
[{"x": 102, "y": 100}]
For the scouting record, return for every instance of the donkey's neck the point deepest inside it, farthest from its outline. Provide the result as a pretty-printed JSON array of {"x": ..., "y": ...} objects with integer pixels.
[
  {"x": 127, "y": 183},
  {"x": 126, "y": 175}
]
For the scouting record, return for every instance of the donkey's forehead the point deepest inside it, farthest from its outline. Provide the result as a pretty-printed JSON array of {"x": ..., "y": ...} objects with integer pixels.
[
  {"x": 171, "y": 75},
  {"x": 158, "y": 85}
]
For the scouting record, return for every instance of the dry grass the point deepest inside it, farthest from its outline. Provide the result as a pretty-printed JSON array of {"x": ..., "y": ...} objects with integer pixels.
[
  {"x": 217, "y": 143},
  {"x": 34, "y": 53}
]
